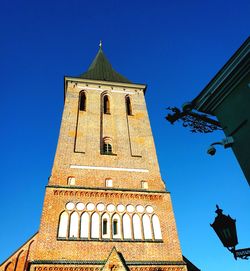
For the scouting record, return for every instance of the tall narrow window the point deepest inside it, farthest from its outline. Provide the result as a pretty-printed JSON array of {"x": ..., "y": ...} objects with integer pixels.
[
  {"x": 128, "y": 106},
  {"x": 106, "y": 105},
  {"x": 116, "y": 226},
  {"x": 137, "y": 227},
  {"x": 63, "y": 225},
  {"x": 147, "y": 227},
  {"x": 95, "y": 224},
  {"x": 115, "y": 229},
  {"x": 105, "y": 226},
  {"x": 74, "y": 225},
  {"x": 156, "y": 227},
  {"x": 84, "y": 233},
  {"x": 82, "y": 102},
  {"x": 127, "y": 231}
]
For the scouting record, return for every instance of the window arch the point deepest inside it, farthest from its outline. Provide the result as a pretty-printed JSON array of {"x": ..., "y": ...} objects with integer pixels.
[
  {"x": 82, "y": 101},
  {"x": 105, "y": 226},
  {"x": 95, "y": 224},
  {"x": 63, "y": 225},
  {"x": 128, "y": 105},
  {"x": 137, "y": 227},
  {"x": 74, "y": 225},
  {"x": 106, "y": 104},
  {"x": 116, "y": 226},
  {"x": 147, "y": 227},
  {"x": 156, "y": 227},
  {"x": 126, "y": 223},
  {"x": 84, "y": 225}
]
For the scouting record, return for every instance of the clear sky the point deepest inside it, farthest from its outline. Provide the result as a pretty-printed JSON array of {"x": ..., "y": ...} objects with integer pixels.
[{"x": 176, "y": 47}]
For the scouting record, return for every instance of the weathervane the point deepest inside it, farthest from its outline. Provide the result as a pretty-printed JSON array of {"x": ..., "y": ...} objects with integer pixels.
[{"x": 100, "y": 44}]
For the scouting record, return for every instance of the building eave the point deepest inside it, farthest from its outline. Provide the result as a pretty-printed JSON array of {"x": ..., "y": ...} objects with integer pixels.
[
  {"x": 236, "y": 68},
  {"x": 102, "y": 83}
]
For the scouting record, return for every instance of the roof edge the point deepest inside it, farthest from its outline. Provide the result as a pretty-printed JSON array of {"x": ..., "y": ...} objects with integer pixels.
[
  {"x": 79, "y": 79},
  {"x": 221, "y": 76}
]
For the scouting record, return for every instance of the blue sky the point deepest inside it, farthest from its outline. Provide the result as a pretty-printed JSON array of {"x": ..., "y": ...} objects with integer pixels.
[{"x": 175, "y": 47}]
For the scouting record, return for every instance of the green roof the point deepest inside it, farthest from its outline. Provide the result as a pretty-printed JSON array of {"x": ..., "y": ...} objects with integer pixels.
[{"x": 101, "y": 69}]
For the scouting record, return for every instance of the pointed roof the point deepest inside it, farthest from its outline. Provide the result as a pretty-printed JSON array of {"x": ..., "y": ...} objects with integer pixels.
[
  {"x": 101, "y": 69},
  {"x": 115, "y": 261}
]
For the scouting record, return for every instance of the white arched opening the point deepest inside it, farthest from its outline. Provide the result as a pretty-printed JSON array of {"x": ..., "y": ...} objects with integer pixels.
[
  {"x": 116, "y": 226},
  {"x": 63, "y": 225},
  {"x": 127, "y": 231},
  {"x": 95, "y": 225},
  {"x": 146, "y": 227},
  {"x": 84, "y": 225},
  {"x": 105, "y": 226},
  {"x": 74, "y": 225},
  {"x": 156, "y": 227},
  {"x": 137, "y": 227}
]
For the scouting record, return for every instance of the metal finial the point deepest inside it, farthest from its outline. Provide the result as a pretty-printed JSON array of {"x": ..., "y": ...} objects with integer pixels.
[{"x": 100, "y": 44}]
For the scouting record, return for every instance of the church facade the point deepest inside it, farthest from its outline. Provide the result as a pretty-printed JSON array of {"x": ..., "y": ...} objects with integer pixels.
[{"x": 106, "y": 206}]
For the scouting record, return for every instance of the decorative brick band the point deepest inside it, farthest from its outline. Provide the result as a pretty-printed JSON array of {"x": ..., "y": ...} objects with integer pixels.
[
  {"x": 158, "y": 268},
  {"x": 98, "y": 194},
  {"x": 91, "y": 268},
  {"x": 65, "y": 268}
]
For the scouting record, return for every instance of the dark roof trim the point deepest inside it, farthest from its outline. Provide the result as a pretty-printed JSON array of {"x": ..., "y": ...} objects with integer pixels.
[
  {"x": 190, "y": 266},
  {"x": 19, "y": 248},
  {"x": 224, "y": 73}
]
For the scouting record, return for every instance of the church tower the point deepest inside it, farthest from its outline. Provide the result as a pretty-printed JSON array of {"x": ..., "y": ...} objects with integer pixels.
[{"x": 106, "y": 206}]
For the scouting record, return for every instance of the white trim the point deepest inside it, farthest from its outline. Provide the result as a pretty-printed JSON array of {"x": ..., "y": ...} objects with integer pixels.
[
  {"x": 110, "y": 168},
  {"x": 120, "y": 91},
  {"x": 84, "y": 87},
  {"x": 100, "y": 89}
]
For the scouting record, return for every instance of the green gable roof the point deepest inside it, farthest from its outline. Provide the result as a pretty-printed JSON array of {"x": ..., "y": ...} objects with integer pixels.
[{"x": 101, "y": 69}]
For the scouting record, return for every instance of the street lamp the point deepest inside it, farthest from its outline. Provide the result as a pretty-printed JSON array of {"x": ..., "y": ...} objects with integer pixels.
[{"x": 225, "y": 228}]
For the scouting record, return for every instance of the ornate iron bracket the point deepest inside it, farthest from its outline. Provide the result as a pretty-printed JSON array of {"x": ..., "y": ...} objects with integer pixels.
[
  {"x": 199, "y": 123},
  {"x": 243, "y": 253}
]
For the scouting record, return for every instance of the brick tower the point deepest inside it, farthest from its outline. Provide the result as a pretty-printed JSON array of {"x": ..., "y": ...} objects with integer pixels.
[{"x": 106, "y": 206}]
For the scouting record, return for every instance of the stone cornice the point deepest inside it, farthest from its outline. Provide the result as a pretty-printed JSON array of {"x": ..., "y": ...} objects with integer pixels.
[
  {"x": 94, "y": 193},
  {"x": 109, "y": 189}
]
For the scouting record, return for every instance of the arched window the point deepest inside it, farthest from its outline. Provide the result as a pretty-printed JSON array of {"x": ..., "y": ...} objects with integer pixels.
[
  {"x": 147, "y": 227},
  {"x": 109, "y": 182},
  {"x": 95, "y": 226},
  {"x": 63, "y": 225},
  {"x": 82, "y": 101},
  {"x": 84, "y": 225},
  {"x": 128, "y": 105},
  {"x": 137, "y": 227},
  {"x": 107, "y": 146},
  {"x": 116, "y": 226},
  {"x": 71, "y": 180},
  {"x": 74, "y": 225},
  {"x": 127, "y": 231},
  {"x": 156, "y": 227},
  {"x": 106, "y": 104},
  {"x": 105, "y": 226}
]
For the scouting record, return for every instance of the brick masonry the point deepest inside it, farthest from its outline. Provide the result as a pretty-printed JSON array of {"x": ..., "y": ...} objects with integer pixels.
[{"x": 134, "y": 160}]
